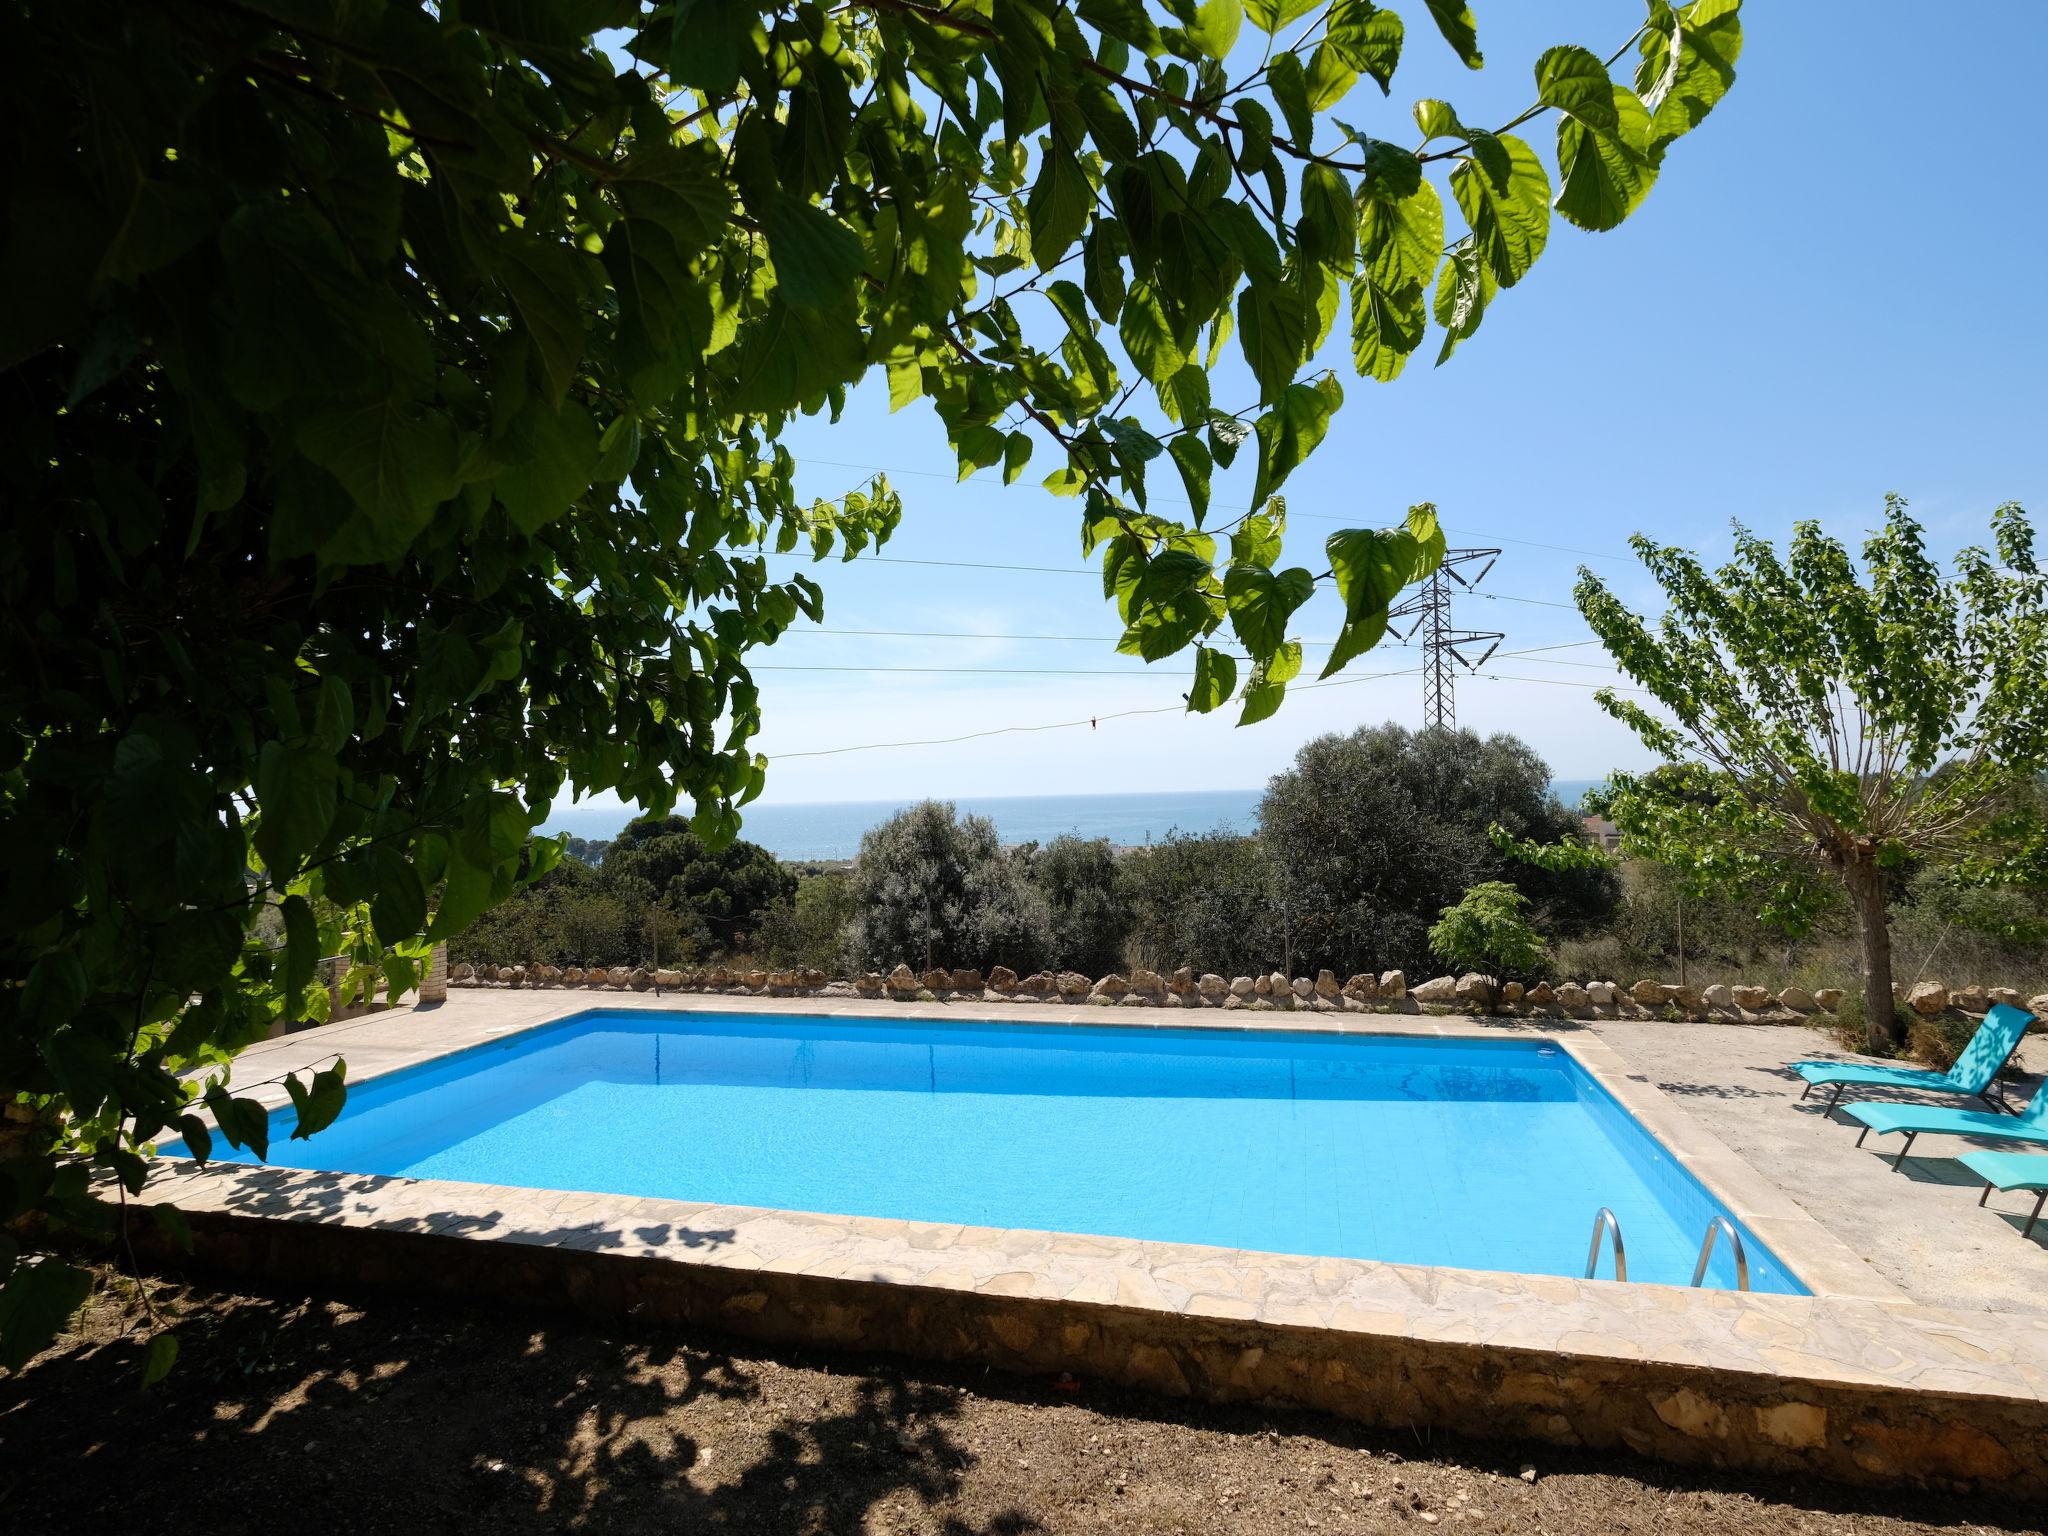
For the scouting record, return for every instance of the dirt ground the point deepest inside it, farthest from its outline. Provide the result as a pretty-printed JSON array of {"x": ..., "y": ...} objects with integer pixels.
[{"x": 370, "y": 1413}]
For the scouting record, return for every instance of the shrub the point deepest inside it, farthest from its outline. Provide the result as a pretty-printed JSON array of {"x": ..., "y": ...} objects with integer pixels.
[
  {"x": 729, "y": 890},
  {"x": 1082, "y": 883},
  {"x": 1486, "y": 932},
  {"x": 812, "y": 929},
  {"x": 932, "y": 887},
  {"x": 1205, "y": 900}
]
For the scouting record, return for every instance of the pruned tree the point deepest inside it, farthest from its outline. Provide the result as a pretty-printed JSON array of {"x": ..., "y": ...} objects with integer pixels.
[
  {"x": 1819, "y": 722},
  {"x": 394, "y": 403}
]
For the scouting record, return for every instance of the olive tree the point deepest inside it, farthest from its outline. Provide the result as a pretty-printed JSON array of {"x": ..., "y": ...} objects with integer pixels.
[
  {"x": 933, "y": 887},
  {"x": 1821, "y": 723},
  {"x": 395, "y": 394}
]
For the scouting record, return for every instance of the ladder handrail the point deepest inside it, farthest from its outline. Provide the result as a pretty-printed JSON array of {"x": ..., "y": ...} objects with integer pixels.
[
  {"x": 1715, "y": 1228},
  {"x": 1607, "y": 1221}
]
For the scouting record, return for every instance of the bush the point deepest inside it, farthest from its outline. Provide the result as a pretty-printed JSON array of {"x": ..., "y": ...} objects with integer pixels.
[
  {"x": 729, "y": 891},
  {"x": 1082, "y": 883},
  {"x": 1486, "y": 932},
  {"x": 812, "y": 929},
  {"x": 1369, "y": 834},
  {"x": 1205, "y": 900},
  {"x": 932, "y": 887}
]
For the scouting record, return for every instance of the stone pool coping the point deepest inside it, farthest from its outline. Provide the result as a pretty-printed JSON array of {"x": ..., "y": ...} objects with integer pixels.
[{"x": 1854, "y": 1381}]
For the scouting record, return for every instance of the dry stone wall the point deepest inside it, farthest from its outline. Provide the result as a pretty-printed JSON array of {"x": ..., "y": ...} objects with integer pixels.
[{"x": 1387, "y": 992}]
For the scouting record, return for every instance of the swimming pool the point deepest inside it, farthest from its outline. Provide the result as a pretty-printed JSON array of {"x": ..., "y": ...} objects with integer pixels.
[{"x": 1486, "y": 1154}]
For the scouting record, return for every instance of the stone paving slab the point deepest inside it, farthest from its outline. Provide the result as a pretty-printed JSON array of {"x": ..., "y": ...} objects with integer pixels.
[{"x": 1854, "y": 1381}]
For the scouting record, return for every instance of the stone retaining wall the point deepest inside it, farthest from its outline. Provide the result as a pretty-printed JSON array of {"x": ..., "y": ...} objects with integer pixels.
[
  {"x": 1418, "y": 1361},
  {"x": 1388, "y": 992}
]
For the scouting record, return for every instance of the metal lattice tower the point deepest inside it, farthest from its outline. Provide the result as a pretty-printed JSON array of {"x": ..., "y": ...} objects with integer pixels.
[{"x": 1441, "y": 644}]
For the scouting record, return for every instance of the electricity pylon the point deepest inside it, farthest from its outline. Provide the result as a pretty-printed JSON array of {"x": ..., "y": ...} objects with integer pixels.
[{"x": 1441, "y": 644}]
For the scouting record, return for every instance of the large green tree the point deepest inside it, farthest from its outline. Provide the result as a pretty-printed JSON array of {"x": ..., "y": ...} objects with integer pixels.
[
  {"x": 1373, "y": 833},
  {"x": 1821, "y": 723},
  {"x": 394, "y": 395}
]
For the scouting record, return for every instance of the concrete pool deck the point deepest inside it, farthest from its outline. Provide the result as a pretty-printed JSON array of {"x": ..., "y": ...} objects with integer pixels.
[{"x": 1860, "y": 1380}]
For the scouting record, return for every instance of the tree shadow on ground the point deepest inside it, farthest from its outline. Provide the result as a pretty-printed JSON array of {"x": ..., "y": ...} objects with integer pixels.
[
  {"x": 391, "y": 1415},
  {"x": 375, "y": 1413}
]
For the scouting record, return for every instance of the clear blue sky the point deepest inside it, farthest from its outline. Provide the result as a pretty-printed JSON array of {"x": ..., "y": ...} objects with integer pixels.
[{"x": 1833, "y": 292}]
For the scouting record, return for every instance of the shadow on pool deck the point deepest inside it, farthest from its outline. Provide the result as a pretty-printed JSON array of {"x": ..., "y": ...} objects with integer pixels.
[{"x": 392, "y": 1204}]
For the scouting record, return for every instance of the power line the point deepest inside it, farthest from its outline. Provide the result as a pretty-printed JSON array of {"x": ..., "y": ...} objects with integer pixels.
[
  {"x": 1072, "y": 570},
  {"x": 1169, "y": 709},
  {"x": 969, "y": 634},
  {"x": 1182, "y": 501}
]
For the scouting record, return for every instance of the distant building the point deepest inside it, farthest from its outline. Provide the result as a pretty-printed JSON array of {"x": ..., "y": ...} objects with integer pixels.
[{"x": 1601, "y": 832}]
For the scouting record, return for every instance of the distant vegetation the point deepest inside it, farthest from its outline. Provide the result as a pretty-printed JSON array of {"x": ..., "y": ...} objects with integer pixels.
[{"x": 1362, "y": 844}]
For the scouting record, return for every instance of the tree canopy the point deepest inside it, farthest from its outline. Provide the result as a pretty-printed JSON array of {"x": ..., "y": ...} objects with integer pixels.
[
  {"x": 1823, "y": 723},
  {"x": 933, "y": 887},
  {"x": 1372, "y": 833},
  {"x": 397, "y": 390}
]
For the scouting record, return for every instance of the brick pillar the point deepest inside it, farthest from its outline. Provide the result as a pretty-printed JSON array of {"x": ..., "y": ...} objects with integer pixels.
[{"x": 434, "y": 985}]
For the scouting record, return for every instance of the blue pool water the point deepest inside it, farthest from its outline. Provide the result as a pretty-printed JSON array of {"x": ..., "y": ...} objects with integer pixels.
[{"x": 1481, "y": 1155}]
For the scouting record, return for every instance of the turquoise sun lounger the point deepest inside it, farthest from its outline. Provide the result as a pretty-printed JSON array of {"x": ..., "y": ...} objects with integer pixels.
[
  {"x": 2030, "y": 1125},
  {"x": 1974, "y": 1076},
  {"x": 2008, "y": 1171}
]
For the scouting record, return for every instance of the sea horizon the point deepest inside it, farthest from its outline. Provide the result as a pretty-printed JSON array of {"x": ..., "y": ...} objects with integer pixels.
[{"x": 831, "y": 829}]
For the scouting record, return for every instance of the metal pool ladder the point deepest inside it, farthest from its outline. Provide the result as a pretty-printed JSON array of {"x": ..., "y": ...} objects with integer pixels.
[
  {"x": 1608, "y": 1222},
  {"x": 1715, "y": 1228}
]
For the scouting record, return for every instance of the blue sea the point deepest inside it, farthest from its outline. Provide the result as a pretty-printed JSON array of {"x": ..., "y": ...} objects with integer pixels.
[{"x": 832, "y": 829}]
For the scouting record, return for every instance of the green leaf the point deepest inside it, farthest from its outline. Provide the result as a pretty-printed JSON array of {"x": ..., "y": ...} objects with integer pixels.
[
  {"x": 1261, "y": 603},
  {"x": 1401, "y": 238},
  {"x": 1216, "y": 25},
  {"x": 1606, "y": 175},
  {"x": 1268, "y": 683},
  {"x": 244, "y": 1122},
  {"x": 297, "y": 795},
  {"x": 1269, "y": 16},
  {"x": 558, "y": 452},
  {"x": 35, "y": 1305},
  {"x": 1464, "y": 287},
  {"x": 1329, "y": 78},
  {"x": 1148, "y": 336},
  {"x": 709, "y": 41},
  {"x": 1058, "y": 207},
  {"x": 1215, "y": 680},
  {"x": 317, "y": 1102},
  {"x": 396, "y": 460},
  {"x": 1258, "y": 537},
  {"x": 1016, "y": 454},
  {"x": 1255, "y": 143},
  {"x": 1687, "y": 66},
  {"x": 1454, "y": 19},
  {"x": 1369, "y": 39},
  {"x": 158, "y": 1356},
  {"x": 1193, "y": 462},
  {"x": 1575, "y": 82},
  {"x": 1290, "y": 431},
  {"x": 1273, "y": 331},
  {"x": 1285, "y": 78},
  {"x": 818, "y": 260},
  {"x": 301, "y": 951},
  {"x": 1509, "y": 214}
]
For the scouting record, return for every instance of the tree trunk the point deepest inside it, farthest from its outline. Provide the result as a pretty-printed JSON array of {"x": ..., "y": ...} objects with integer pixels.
[{"x": 1867, "y": 893}]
